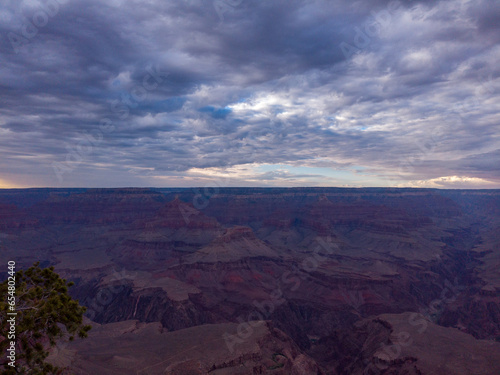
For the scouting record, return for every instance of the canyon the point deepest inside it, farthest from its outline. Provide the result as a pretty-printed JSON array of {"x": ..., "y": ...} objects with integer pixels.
[{"x": 269, "y": 280}]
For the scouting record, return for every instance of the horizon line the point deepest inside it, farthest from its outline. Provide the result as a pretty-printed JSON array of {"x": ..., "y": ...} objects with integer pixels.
[{"x": 242, "y": 187}]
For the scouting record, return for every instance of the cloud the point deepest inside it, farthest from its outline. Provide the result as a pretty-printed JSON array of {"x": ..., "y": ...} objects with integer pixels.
[
  {"x": 451, "y": 182},
  {"x": 144, "y": 93}
]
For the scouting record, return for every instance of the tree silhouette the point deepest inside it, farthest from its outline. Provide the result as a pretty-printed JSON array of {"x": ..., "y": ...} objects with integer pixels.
[{"x": 46, "y": 314}]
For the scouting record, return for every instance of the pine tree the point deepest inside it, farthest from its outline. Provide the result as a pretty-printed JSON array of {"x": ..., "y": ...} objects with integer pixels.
[{"x": 46, "y": 314}]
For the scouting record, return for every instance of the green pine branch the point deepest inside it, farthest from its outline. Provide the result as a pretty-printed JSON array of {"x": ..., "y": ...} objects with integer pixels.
[{"x": 46, "y": 314}]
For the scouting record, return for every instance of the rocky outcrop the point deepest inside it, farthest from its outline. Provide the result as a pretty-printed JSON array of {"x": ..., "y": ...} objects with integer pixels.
[
  {"x": 177, "y": 214},
  {"x": 234, "y": 244},
  {"x": 407, "y": 343},
  {"x": 131, "y": 347}
]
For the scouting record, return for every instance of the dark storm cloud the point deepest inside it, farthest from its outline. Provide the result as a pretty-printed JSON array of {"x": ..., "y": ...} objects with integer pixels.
[{"x": 172, "y": 86}]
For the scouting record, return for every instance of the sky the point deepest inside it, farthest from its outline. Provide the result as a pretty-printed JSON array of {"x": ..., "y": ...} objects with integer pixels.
[{"x": 111, "y": 93}]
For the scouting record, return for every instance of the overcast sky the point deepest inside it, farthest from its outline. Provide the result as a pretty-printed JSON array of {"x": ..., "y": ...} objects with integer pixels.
[{"x": 250, "y": 93}]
